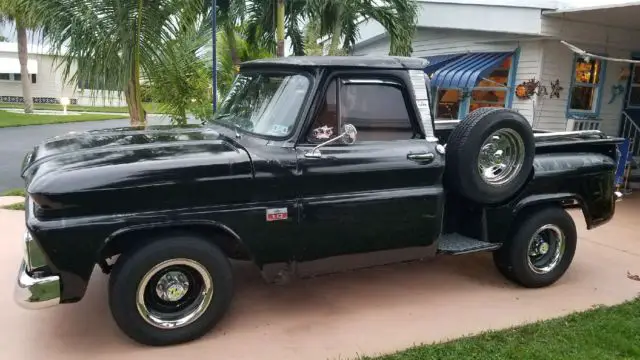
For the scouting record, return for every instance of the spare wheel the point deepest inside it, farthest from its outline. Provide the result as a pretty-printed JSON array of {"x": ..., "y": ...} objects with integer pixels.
[{"x": 490, "y": 155}]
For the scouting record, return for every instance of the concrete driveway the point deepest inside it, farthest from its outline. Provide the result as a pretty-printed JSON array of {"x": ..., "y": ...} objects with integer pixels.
[{"x": 370, "y": 311}]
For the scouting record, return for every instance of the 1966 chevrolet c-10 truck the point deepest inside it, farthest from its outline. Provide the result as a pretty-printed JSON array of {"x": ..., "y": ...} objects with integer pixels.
[{"x": 307, "y": 161}]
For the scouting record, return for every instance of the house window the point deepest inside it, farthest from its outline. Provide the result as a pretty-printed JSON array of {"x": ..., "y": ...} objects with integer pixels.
[
  {"x": 491, "y": 91},
  {"x": 634, "y": 87},
  {"x": 448, "y": 104},
  {"x": 584, "y": 91},
  {"x": 16, "y": 77}
]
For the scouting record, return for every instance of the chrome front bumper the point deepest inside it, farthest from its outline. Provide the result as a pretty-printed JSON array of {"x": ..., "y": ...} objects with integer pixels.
[
  {"x": 36, "y": 292},
  {"x": 33, "y": 290}
]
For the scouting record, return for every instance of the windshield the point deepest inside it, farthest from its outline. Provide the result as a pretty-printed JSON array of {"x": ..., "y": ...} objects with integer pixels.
[{"x": 264, "y": 104}]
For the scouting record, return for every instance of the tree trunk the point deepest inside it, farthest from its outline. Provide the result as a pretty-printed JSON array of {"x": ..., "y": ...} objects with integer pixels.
[
  {"x": 23, "y": 56},
  {"x": 133, "y": 96},
  {"x": 337, "y": 32},
  {"x": 233, "y": 46},
  {"x": 280, "y": 29}
]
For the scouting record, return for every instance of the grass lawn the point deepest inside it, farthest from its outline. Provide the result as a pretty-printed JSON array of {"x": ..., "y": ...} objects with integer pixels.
[
  {"x": 603, "y": 333},
  {"x": 13, "y": 192},
  {"x": 150, "y": 107},
  {"x": 17, "y": 206},
  {"x": 10, "y": 119}
]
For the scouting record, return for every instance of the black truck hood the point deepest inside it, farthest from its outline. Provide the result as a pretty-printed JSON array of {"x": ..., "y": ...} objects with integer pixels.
[{"x": 154, "y": 158}]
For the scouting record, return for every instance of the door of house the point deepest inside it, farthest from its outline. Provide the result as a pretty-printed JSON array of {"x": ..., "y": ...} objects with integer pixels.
[{"x": 632, "y": 96}]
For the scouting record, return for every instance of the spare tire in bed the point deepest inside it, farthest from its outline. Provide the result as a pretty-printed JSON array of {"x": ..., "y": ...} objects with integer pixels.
[{"x": 490, "y": 155}]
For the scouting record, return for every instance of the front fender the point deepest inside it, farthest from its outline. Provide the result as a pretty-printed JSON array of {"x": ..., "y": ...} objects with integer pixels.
[{"x": 122, "y": 238}]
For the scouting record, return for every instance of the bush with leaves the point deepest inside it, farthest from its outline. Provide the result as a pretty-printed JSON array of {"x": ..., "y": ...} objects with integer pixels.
[{"x": 180, "y": 80}]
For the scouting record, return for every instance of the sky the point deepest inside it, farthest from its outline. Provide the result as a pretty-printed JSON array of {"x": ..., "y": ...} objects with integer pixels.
[{"x": 9, "y": 32}]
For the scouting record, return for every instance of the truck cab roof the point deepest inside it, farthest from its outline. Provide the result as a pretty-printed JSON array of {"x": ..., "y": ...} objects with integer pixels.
[{"x": 373, "y": 62}]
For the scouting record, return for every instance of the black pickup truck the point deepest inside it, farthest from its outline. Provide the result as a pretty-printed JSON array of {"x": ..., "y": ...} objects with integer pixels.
[{"x": 326, "y": 160}]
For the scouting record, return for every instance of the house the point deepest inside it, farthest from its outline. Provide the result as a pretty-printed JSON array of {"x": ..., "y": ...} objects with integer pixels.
[
  {"x": 47, "y": 84},
  {"x": 529, "y": 56},
  {"x": 481, "y": 51}
]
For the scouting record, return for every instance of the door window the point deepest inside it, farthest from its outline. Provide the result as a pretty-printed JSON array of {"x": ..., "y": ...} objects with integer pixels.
[{"x": 377, "y": 110}]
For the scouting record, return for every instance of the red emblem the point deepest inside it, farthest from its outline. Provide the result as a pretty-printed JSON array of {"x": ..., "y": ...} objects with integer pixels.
[{"x": 277, "y": 214}]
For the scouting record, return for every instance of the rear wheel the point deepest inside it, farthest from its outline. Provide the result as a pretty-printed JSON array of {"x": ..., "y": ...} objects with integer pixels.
[
  {"x": 541, "y": 248},
  {"x": 172, "y": 290}
]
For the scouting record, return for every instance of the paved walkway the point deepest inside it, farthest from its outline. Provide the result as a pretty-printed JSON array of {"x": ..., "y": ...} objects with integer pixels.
[{"x": 363, "y": 312}]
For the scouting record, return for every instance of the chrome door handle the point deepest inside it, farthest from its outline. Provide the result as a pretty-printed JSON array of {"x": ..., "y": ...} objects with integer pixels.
[{"x": 421, "y": 157}]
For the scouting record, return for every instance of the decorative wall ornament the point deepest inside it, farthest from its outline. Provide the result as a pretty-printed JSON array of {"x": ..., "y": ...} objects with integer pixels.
[
  {"x": 542, "y": 90},
  {"x": 555, "y": 89},
  {"x": 527, "y": 89},
  {"x": 616, "y": 90}
]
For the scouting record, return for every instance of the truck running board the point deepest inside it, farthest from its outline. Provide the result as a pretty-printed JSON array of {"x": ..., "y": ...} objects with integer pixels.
[{"x": 456, "y": 244}]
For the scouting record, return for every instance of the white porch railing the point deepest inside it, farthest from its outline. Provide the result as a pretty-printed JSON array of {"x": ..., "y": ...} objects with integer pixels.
[{"x": 630, "y": 130}]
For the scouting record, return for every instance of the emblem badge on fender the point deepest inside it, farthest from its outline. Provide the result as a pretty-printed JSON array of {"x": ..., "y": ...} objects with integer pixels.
[{"x": 277, "y": 214}]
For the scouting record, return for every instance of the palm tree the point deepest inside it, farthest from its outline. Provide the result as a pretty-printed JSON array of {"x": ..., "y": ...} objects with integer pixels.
[
  {"x": 268, "y": 23},
  {"x": 230, "y": 14},
  {"x": 311, "y": 37},
  {"x": 9, "y": 12},
  {"x": 339, "y": 19},
  {"x": 226, "y": 65},
  {"x": 111, "y": 44}
]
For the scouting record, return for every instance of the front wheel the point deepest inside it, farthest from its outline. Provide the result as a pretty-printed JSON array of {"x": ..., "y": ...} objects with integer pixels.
[
  {"x": 541, "y": 248},
  {"x": 170, "y": 291}
]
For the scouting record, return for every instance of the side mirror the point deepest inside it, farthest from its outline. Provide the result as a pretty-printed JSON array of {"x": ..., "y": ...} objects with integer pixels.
[
  {"x": 349, "y": 134},
  {"x": 347, "y": 137}
]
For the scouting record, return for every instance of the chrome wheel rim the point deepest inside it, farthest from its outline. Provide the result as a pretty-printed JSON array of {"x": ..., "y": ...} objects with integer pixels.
[
  {"x": 501, "y": 157},
  {"x": 174, "y": 293},
  {"x": 546, "y": 248}
]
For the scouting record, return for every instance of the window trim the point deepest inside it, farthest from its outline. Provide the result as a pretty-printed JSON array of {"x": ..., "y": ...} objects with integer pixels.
[{"x": 595, "y": 111}]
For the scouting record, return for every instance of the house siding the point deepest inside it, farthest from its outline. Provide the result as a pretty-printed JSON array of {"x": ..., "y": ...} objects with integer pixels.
[
  {"x": 47, "y": 80},
  {"x": 528, "y": 68},
  {"x": 557, "y": 64},
  {"x": 430, "y": 42},
  {"x": 50, "y": 84}
]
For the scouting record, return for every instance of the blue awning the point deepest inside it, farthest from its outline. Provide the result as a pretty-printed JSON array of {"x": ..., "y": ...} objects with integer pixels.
[
  {"x": 438, "y": 61},
  {"x": 466, "y": 71}
]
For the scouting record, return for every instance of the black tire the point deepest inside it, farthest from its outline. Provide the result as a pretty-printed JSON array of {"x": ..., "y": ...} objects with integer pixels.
[
  {"x": 512, "y": 259},
  {"x": 132, "y": 267},
  {"x": 464, "y": 148}
]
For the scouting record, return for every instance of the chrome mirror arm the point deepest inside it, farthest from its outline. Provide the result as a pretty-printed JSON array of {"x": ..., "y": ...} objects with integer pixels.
[{"x": 315, "y": 152}]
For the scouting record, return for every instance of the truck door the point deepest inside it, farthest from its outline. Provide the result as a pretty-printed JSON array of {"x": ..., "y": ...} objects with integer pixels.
[{"x": 382, "y": 192}]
